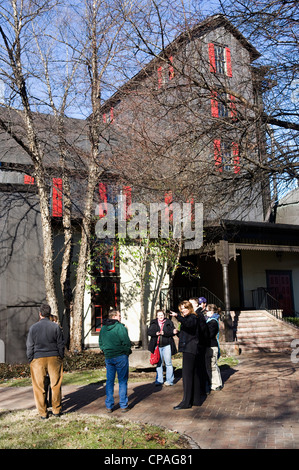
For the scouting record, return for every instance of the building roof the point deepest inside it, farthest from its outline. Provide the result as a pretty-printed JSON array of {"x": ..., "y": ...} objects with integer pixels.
[
  {"x": 261, "y": 233},
  {"x": 200, "y": 29},
  {"x": 288, "y": 208}
]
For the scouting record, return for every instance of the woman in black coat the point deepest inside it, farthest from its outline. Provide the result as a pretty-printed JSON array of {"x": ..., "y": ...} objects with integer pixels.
[
  {"x": 162, "y": 329},
  {"x": 188, "y": 345}
]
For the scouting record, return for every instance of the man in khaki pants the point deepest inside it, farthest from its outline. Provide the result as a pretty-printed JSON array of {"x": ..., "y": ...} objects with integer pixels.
[{"x": 45, "y": 352}]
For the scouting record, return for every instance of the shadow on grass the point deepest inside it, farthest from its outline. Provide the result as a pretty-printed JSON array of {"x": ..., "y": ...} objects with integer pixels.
[{"x": 83, "y": 396}]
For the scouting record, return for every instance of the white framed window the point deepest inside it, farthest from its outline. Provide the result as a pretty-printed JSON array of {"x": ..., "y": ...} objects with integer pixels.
[{"x": 220, "y": 59}]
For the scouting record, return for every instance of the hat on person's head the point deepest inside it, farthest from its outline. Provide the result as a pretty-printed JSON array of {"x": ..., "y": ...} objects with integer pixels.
[{"x": 202, "y": 300}]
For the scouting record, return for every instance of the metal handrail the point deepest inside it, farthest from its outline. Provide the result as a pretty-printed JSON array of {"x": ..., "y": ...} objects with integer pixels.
[
  {"x": 211, "y": 297},
  {"x": 263, "y": 300},
  {"x": 184, "y": 293},
  {"x": 270, "y": 304}
]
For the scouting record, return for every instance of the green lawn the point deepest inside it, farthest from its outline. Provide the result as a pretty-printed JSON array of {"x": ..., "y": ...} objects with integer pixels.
[{"x": 25, "y": 430}]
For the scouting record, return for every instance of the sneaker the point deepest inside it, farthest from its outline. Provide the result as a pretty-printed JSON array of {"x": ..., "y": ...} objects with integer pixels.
[
  {"x": 109, "y": 410},
  {"x": 167, "y": 384},
  {"x": 124, "y": 410}
]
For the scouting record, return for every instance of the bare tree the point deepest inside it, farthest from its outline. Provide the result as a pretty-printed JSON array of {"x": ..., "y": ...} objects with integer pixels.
[
  {"x": 17, "y": 18},
  {"x": 272, "y": 26},
  {"x": 33, "y": 37}
]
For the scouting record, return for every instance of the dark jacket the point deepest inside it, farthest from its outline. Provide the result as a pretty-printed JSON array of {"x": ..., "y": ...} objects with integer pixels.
[
  {"x": 188, "y": 336},
  {"x": 114, "y": 339},
  {"x": 45, "y": 339},
  {"x": 202, "y": 331},
  {"x": 213, "y": 328},
  {"x": 165, "y": 339}
]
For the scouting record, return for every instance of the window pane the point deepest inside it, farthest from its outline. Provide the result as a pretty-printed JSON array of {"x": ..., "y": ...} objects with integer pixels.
[
  {"x": 226, "y": 156},
  {"x": 222, "y": 105},
  {"x": 219, "y": 59}
]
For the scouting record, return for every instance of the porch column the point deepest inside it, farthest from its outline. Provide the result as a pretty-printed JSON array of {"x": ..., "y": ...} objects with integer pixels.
[{"x": 224, "y": 252}]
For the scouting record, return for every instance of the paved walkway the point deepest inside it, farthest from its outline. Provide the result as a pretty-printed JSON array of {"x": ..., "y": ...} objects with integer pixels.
[{"x": 258, "y": 407}]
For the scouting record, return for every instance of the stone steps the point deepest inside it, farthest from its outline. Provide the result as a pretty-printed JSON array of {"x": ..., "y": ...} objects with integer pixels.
[{"x": 258, "y": 330}]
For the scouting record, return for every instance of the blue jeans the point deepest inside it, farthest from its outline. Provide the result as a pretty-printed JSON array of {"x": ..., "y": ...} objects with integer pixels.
[
  {"x": 119, "y": 364},
  {"x": 165, "y": 354}
]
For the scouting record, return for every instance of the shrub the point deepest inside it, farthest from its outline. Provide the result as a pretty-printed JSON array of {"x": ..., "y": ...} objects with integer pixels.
[
  {"x": 294, "y": 320},
  {"x": 84, "y": 360},
  {"x": 11, "y": 371},
  {"x": 72, "y": 362}
]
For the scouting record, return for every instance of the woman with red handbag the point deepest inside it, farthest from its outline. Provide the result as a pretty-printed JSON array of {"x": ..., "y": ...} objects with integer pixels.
[{"x": 162, "y": 330}]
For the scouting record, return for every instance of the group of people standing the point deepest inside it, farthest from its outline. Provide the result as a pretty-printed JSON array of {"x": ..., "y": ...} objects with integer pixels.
[
  {"x": 198, "y": 341},
  {"x": 197, "y": 332}
]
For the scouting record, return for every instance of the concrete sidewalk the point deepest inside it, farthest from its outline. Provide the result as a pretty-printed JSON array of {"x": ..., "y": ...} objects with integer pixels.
[{"x": 258, "y": 408}]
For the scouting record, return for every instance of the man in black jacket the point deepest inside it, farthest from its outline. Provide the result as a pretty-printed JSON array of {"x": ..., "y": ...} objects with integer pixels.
[{"x": 45, "y": 352}]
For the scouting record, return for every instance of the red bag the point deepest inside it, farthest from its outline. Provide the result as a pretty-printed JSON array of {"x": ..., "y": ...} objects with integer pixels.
[{"x": 155, "y": 356}]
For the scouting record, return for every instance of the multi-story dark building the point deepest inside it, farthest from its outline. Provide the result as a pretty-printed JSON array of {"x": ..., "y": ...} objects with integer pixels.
[{"x": 185, "y": 128}]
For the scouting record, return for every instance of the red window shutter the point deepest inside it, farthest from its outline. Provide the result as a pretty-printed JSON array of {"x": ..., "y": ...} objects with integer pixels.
[
  {"x": 236, "y": 156},
  {"x": 98, "y": 313},
  {"x": 214, "y": 104},
  {"x": 228, "y": 62},
  {"x": 233, "y": 109},
  {"x": 159, "y": 76},
  {"x": 111, "y": 114},
  {"x": 115, "y": 289},
  {"x": 217, "y": 154},
  {"x": 171, "y": 69},
  {"x": 57, "y": 197},
  {"x": 212, "y": 58},
  {"x": 28, "y": 179},
  {"x": 168, "y": 199},
  {"x": 127, "y": 190},
  {"x": 103, "y": 199},
  {"x": 108, "y": 261}
]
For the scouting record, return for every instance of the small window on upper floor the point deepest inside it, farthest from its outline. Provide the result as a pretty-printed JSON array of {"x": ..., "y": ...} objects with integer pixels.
[
  {"x": 109, "y": 117},
  {"x": 165, "y": 72},
  {"x": 226, "y": 156},
  {"x": 220, "y": 59},
  {"x": 222, "y": 104}
]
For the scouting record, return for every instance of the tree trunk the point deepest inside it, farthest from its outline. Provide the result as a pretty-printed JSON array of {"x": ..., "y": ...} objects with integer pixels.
[
  {"x": 47, "y": 243},
  {"x": 67, "y": 248},
  {"x": 76, "y": 327},
  {"x": 47, "y": 231},
  {"x": 143, "y": 313}
]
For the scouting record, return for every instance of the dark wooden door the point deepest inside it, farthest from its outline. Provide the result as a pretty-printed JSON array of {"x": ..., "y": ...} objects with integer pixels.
[{"x": 279, "y": 285}]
